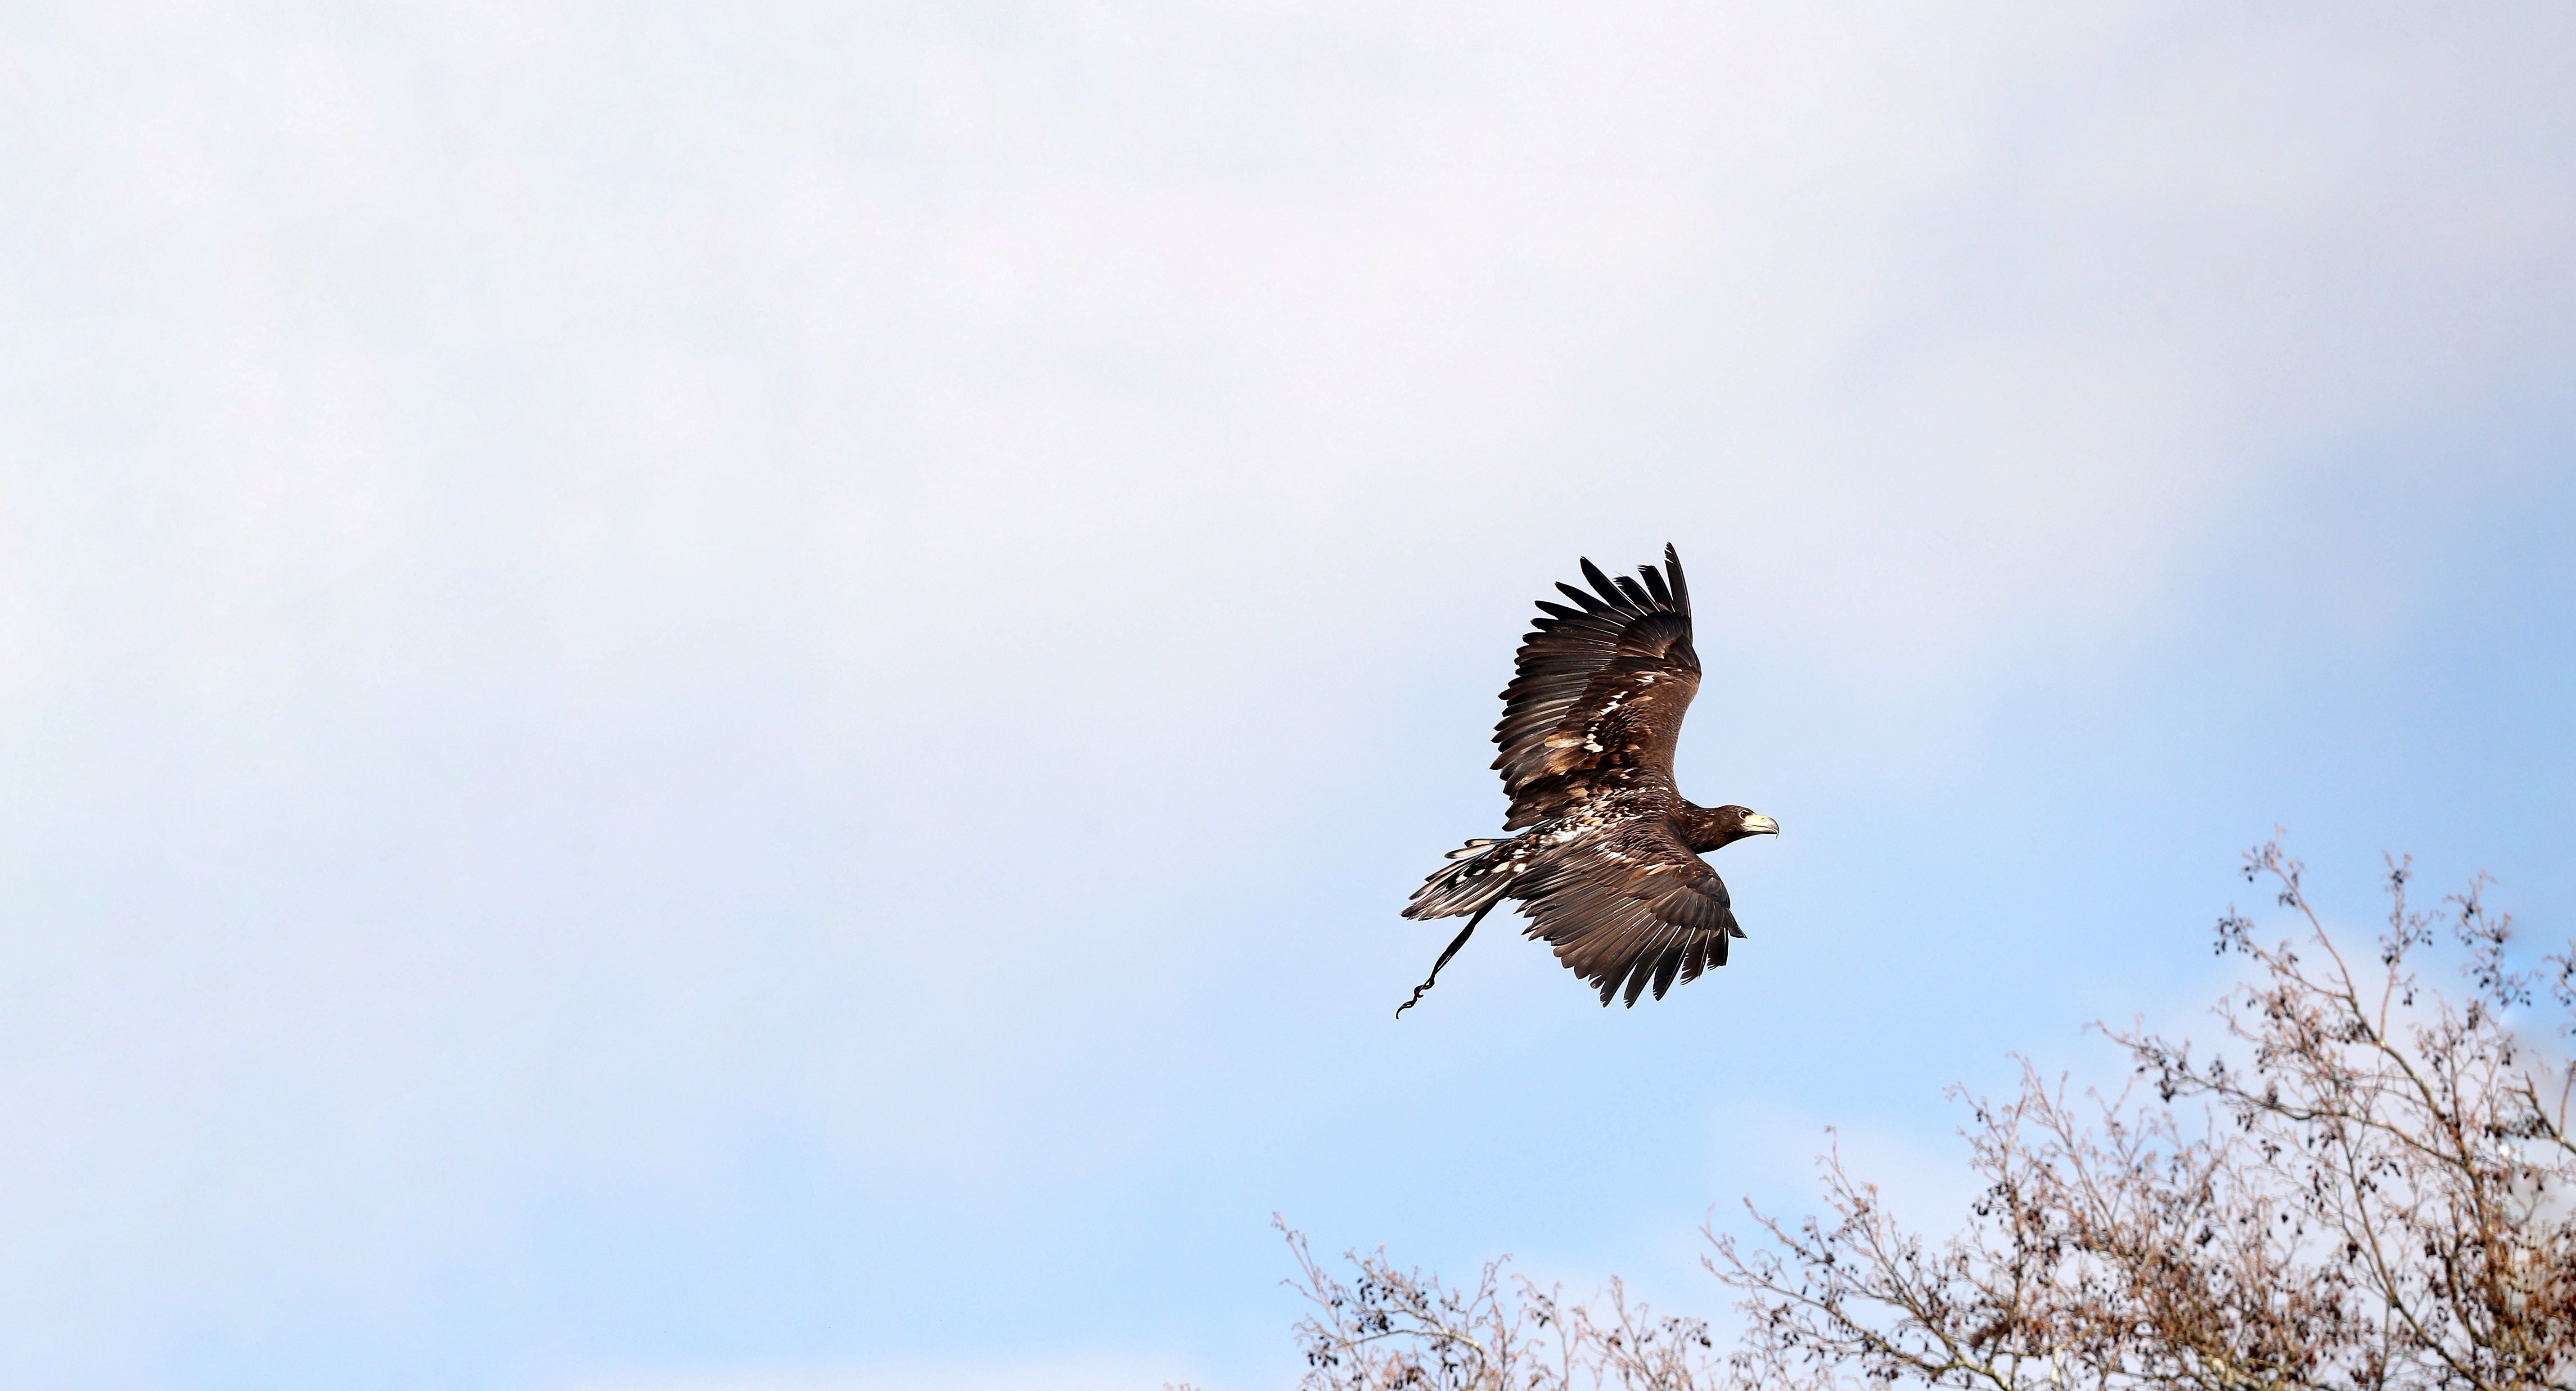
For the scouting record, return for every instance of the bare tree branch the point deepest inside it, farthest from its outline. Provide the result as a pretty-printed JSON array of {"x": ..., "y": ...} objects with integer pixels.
[{"x": 2377, "y": 1201}]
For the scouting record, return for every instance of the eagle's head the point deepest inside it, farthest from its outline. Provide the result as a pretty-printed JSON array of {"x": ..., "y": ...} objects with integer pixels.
[{"x": 1711, "y": 827}]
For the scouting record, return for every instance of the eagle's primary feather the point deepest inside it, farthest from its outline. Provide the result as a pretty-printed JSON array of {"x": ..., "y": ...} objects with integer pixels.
[{"x": 1606, "y": 863}]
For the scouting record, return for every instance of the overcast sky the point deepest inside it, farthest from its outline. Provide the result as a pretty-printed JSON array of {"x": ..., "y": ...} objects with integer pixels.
[{"x": 737, "y": 697}]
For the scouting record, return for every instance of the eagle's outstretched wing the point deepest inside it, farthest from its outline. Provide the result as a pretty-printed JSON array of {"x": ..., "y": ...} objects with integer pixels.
[
  {"x": 1632, "y": 905},
  {"x": 1598, "y": 691}
]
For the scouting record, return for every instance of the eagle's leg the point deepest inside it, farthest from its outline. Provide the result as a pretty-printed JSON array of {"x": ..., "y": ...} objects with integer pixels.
[{"x": 1454, "y": 944}]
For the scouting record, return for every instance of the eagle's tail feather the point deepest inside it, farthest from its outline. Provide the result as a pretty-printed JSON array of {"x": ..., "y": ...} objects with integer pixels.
[{"x": 1473, "y": 880}]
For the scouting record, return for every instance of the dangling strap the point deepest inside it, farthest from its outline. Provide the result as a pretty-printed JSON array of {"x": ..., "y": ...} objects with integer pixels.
[{"x": 1454, "y": 945}]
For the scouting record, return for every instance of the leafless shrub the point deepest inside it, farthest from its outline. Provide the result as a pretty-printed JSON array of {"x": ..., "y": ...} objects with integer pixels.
[
  {"x": 2377, "y": 1199},
  {"x": 1393, "y": 1328},
  {"x": 2376, "y": 1202}
]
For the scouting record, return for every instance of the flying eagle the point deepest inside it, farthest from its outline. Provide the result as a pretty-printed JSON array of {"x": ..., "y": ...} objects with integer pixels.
[{"x": 1609, "y": 867}]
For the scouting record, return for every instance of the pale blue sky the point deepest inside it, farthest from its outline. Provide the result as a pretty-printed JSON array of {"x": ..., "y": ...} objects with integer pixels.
[{"x": 730, "y": 697}]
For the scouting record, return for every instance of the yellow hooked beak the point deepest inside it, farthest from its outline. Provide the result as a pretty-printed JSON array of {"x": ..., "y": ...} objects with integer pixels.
[{"x": 1761, "y": 825}]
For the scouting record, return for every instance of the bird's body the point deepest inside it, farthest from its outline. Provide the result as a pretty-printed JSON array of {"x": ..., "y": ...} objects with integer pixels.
[{"x": 1607, "y": 860}]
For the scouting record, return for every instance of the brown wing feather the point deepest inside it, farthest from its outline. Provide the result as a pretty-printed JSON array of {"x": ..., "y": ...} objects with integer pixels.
[
  {"x": 1631, "y": 906},
  {"x": 1598, "y": 692}
]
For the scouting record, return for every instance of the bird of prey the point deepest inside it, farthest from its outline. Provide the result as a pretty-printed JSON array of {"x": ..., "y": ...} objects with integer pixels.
[{"x": 1607, "y": 863}]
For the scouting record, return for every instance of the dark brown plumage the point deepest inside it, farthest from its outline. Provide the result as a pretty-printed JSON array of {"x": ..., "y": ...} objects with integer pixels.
[{"x": 1607, "y": 860}]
